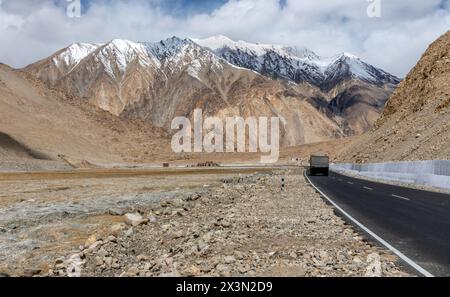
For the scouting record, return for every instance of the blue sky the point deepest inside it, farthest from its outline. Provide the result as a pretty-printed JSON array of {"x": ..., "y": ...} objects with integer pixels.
[
  {"x": 181, "y": 8},
  {"x": 32, "y": 29},
  {"x": 185, "y": 7}
]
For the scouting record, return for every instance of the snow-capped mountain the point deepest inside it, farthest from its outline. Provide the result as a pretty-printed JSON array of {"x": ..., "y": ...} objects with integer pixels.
[
  {"x": 296, "y": 64},
  {"x": 72, "y": 55},
  {"x": 160, "y": 80}
]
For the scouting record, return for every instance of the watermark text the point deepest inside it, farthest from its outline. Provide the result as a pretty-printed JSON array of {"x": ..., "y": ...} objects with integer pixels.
[{"x": 209, "y": 135}]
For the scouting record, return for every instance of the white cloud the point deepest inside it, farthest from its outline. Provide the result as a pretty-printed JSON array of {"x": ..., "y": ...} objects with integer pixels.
[{"x": 30, "y": 30}]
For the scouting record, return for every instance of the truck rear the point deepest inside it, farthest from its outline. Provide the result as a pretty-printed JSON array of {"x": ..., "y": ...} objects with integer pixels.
[{"x": 319, "y": 164}]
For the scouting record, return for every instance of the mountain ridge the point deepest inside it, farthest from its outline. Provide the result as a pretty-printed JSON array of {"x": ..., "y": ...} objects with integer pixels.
[
  {"x": 158, "y": 81},
  {"x": 296, "y": 64},
  {"x": 76, "y": 52}
]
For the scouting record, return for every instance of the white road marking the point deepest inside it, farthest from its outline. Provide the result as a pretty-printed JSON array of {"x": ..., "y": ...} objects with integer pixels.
[
  {"x": 340, "y": 180},
  {"x": 350, "y": 183},
  {"x": 400, "y": 197},
  {"x": 367, "y": 188},
  {"x": 376, "y": 237}
]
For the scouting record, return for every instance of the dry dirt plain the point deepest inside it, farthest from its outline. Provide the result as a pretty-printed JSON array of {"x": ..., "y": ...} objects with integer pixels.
[{"x": 217, "y": 221}]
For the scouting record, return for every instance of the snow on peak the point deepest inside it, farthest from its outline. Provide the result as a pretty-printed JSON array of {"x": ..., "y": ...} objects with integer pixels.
[
  {"x": 117, "y": 54},
  {"x": 126, "y": 50},
  {"x": 348, "y": 55},
  {"x": 76, "y": 52},
  {"x": 293, "y": 63},
  {"x": 124, "y": 46},
  {"x": 219, "y": 42},
  {"x": 176, "y": 53},
  {"x": 120, "y": 53},
  {"x": 301, "y": 53},
  {"x": 277, "y": 61},
  {"x": 214, "y": 42},
  {"x": 168, "y": 47}
]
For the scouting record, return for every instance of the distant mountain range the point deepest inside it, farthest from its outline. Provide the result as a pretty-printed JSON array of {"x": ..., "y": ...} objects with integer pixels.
[
  {"x": 317, "y": 98},
  {"x": 296, "y": 64}
]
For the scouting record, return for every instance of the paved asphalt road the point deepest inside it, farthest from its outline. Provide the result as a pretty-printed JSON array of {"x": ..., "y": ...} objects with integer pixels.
[{"x": 417, "y": 223}]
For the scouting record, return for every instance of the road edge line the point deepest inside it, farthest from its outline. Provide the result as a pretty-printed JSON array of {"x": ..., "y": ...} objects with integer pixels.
[{"x": 402, "y": 256}]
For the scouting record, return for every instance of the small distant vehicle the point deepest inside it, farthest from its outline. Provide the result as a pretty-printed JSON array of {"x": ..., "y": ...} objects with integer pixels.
[{"x": 319, "y": 164}]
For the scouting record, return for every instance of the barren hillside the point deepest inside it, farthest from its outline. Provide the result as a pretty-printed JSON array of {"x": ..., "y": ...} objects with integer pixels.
[
  {"x": 40, "y": 124},
  {"x": 415, "y": 124}
]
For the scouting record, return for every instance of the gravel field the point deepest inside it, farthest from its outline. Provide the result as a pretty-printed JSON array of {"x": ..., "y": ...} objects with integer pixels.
[{"x": 239, "y": 226}]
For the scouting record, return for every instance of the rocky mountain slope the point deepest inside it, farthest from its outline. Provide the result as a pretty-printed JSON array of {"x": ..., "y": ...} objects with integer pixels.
[
  {"x": 318, "y": 99},
  {"x": 415, "y": 124},
  {"x": 38, "y": 124},
  {"x": 296, "y": 64}
]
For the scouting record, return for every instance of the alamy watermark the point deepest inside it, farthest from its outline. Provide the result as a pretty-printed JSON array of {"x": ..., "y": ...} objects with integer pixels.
[
  {"x": 73, "y": 9},
  {"x": 209, "y": 135},
  {"x": 374, "y": 9}
]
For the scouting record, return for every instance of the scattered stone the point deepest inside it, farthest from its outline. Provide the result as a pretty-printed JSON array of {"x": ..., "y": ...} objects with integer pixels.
[
  {"x": 142, "y": 258},
  {"x": 133, "y": 271},
  {"x": 223, "y": 270},
  {"x": 134, "y": 219},
  {"x": 374, "y": 267},
  {"x": 108, "y": 261},
  {"x": 229, "y": 259},
  {"x": 98, "y": 261},
  {"x": 178, "y": 211},
  {"x": 166, "y": 227},
  {"x": 74, "y": 264},
  {"x": 102, "y": 252},
  {"x": 116, "y": 212},
  {"x": 178, "y": 203},
  {"x": 192, "y": 271},
  {"x": 129, "y": 232},
  {"x": 178, "y": 234},
  {"x": 116, "y": 229},
  {"x": 194, "y": 197},
  {"x": 91, "y": 239},
  {"x": 111, "y": 238},
  {"x": 96, "y": 245},
  {"x": 148, "y": 266},
  {"x": 226, "y": 224}
]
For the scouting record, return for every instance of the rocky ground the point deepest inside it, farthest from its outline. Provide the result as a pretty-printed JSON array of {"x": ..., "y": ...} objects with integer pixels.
[
  {"x": 43, "y": 215},
  {"x": 244, "y": 226}
]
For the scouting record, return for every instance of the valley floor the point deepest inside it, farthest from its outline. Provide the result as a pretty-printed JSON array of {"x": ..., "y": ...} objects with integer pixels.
[{"x": 218, "y": 221}]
